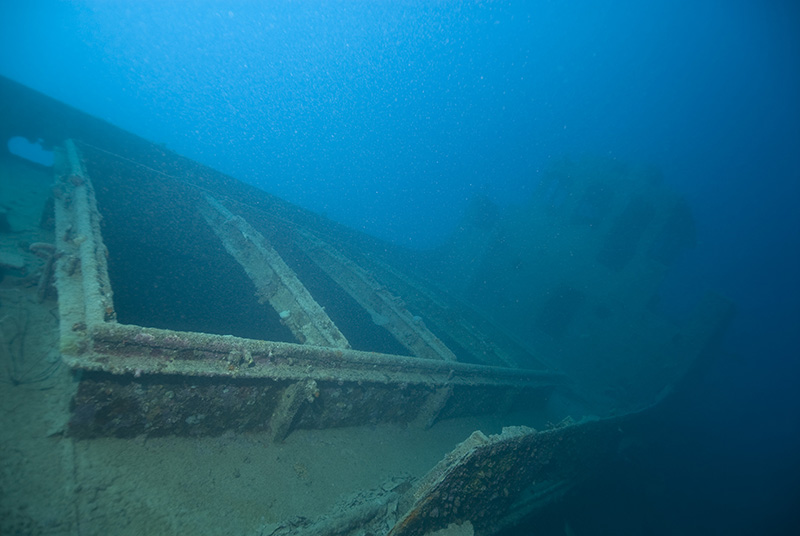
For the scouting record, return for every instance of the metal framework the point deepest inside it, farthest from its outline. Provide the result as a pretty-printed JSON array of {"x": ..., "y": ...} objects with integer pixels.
[{"x": 266, "y": 384}]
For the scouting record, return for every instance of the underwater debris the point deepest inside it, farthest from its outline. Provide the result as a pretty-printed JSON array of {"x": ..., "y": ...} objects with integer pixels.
[
  {"x": 23, "y": 367},
  {"x": 47, "y": 252}
]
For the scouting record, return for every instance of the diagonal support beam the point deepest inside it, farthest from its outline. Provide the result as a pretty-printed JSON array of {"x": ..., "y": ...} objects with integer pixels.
[
  {"x": 448, "y": 314},
  {"x": 275, "y": 282},
  {"x": 385, "y": 309}
]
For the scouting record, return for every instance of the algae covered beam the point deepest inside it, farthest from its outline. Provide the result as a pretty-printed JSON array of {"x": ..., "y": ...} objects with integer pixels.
[
  {"x": 275, "y": 282},
  {"x": 199, "y": 383},
  {"x": 448, "y": 314},
  {"x": 81, "y": 273},
  {"x": 124, "y": 349},
  {"x": 386, "y": 309}
]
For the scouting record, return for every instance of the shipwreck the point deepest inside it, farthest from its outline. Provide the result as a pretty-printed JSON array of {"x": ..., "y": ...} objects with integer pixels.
[{"x": 192, "y": 304}]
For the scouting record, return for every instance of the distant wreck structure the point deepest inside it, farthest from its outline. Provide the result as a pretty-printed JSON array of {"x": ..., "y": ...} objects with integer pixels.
[
  {"x": 579, "y": 268},
  {"x": 192, "y": 304}
]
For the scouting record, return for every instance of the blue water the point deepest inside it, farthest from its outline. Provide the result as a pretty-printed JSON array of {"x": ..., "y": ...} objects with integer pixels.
[{"x": 389, "y": 116}]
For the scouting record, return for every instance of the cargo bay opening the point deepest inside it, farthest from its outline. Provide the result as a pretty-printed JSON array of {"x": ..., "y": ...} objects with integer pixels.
[
  {"x": 315, "y": 378},
  {"x": 169, "y": 270}
]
